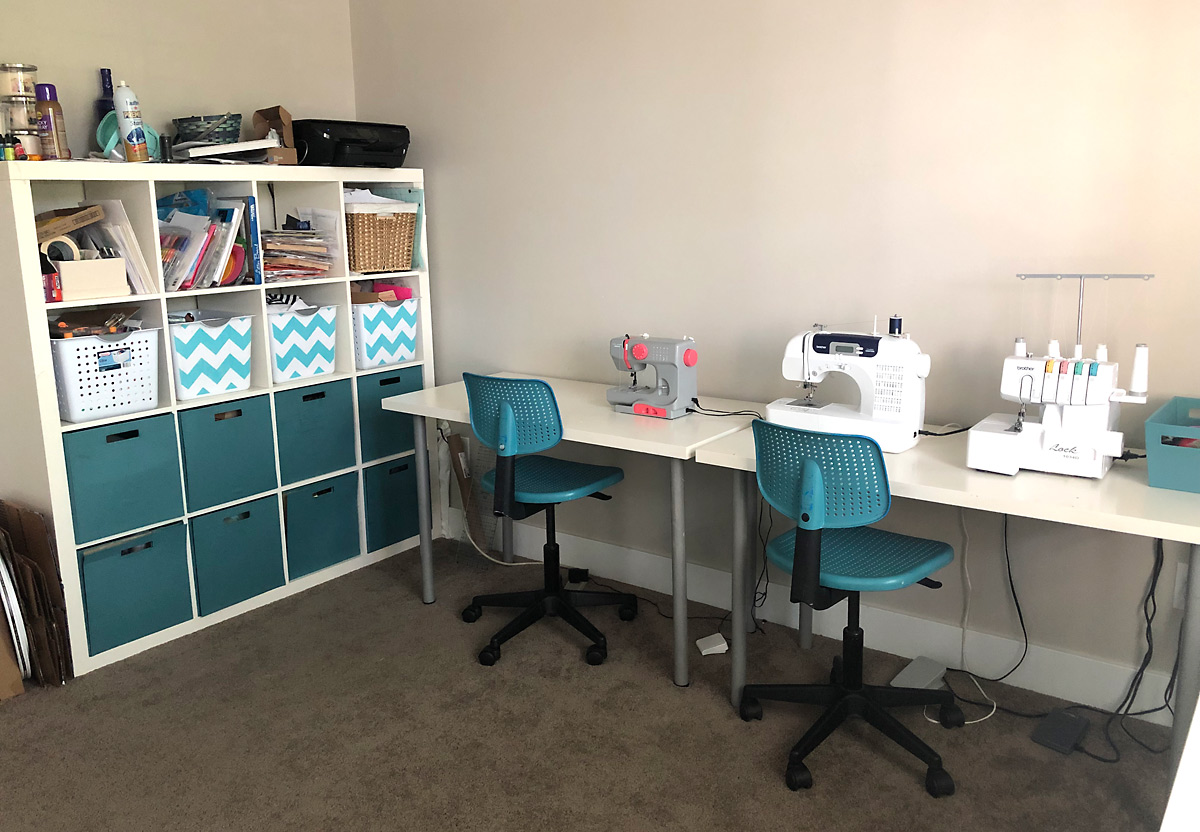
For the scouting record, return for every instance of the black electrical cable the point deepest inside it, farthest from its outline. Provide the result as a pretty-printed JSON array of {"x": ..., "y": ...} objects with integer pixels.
[
  {"x": 1128, "y": 455},
  {"x": 706, "y": 411},
  {"x": 762, "y": 585},
  {"x": 1120, "y": 714},
  {"x": 946, "y": 433},
  {"x": 1012, "y": 588}
]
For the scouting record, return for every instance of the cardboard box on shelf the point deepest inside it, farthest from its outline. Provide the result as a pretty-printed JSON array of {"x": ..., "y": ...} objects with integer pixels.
[
  {"x": 51, "y": 224},
  {"x": 280, "y": 120},
  {"x": 87, "y": 279}
]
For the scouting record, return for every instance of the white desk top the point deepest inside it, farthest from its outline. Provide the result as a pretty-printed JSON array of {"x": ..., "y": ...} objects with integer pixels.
[
  {"x": 588, "y": 418},
  {"x": 936, "y": 471}
]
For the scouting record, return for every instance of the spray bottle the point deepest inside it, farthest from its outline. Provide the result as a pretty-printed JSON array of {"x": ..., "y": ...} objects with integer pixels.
[{"x": 129, "y": 124}]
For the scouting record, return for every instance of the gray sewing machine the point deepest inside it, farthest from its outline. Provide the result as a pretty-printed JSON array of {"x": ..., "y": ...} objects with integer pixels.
[{"x": 674, "y": 362}]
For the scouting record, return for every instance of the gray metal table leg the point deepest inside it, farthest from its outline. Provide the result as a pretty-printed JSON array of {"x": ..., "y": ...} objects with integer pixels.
[
  {"x": 742, "y": 482},
  {"x": 1187, "y": 687},
  {"x": 424, "y": 509},
  {"x": 679, "y": 574},
  {"x": 805, "y": 626},
  {"x": 506, "y": 526}
]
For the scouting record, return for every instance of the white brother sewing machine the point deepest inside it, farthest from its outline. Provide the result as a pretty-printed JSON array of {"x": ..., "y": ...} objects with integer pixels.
[
  {"x": 1080, "y": 404},
  {"x": 890, "y": 372}
]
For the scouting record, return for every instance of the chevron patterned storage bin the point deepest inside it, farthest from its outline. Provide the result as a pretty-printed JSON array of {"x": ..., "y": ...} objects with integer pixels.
[
  {"x": 211, "y": 356},
  {"x": 385, "y": 333},
  {"x": 303, "y": 344}
]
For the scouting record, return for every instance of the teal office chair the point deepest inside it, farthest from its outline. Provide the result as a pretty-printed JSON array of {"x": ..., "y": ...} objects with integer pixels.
[
  {"x": 833, "y": 486},
  {"x": 517, "y": 418}
]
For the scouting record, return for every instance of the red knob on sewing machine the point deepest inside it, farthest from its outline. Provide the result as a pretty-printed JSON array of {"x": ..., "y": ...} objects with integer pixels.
[{"x": 639, "y": 352}]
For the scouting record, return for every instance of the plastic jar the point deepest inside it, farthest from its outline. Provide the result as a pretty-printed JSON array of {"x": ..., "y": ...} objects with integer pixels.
[
  {"x": 18, "y": 79},
  {"x": 21, "y": 111}
]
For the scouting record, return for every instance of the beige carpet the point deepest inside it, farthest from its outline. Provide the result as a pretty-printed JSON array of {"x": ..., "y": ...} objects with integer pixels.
[{"x": 355, "y": 707}]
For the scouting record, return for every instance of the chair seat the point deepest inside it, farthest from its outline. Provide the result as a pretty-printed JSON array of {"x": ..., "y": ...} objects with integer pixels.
[
  {"x": 544, "y": 479},
  {"x": 864, "y": 559}
]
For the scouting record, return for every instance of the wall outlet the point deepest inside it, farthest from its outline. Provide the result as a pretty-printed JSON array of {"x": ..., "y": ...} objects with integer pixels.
[{"x": 1180, "y": 585}]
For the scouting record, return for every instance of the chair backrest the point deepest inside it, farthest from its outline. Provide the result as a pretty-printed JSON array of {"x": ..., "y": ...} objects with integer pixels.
[
  {"x": 821, "y": 480},
  {"x": 513, "y": 415}
]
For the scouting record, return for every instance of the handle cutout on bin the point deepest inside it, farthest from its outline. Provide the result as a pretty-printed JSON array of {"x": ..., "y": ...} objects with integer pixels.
[
  {"x": 234, "y": 518},
  {"x": 384, "y": 382},
  {"x": 1194, "y": 413},
  {"x": 323, "y": 492},
  {"x": 1182, "y": 442},
  {"x": 122, "y": 436},
  {"x": 398, "y": 469},
  {"x": 148, "y": 544},
  {"x": 312, "y": 397},
  {"x": 228, "y": 414}
]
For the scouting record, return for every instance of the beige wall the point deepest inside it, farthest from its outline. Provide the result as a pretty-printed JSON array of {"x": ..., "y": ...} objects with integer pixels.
[
  {"x": 191, "y": 59},
  {"x": 737, "y": 171}
]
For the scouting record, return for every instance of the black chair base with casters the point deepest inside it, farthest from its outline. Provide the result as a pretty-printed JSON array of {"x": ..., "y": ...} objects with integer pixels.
[
  {"x": 846, "y": 696},
  {"x": 835, "y": 486},
  {"x": 553, "y": 599}
]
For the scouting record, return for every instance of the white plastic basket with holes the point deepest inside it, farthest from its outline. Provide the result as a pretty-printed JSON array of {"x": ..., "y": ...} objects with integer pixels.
[{"x": 99, "y": 376}]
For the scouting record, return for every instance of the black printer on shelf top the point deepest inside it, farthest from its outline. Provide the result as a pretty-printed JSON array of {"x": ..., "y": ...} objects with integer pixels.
[{"x": 349, "y": 143}]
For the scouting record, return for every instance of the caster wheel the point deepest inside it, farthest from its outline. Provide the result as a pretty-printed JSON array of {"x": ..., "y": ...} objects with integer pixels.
[
  {"x": 628, "y": 612},
  {"x": 471, "y": 614},
  {"x": 799, "y": 777},
  {"x": 749, "y": 708},
  {"x": 938, "y": 783},
  {"x": 596, "y": 654},
  {"x": 489, "y": 655},
  {"x": 835, "y": 674},
  {"x": 951, "y": 716}
]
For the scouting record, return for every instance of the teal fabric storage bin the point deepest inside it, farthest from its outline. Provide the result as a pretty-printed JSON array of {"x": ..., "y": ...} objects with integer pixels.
[
  {"x": 390, "y": 494},
  {"x": 135, "y": 586},
  {"x": 322, "y": 524},
  {"x": 228, "y": 451},
  {"x": 123, "y": 476},
  {"x": 1173, "y": 445},
  {"x": 382, "y": 432},
  {"x": 316, "y": 430},
  {"x": 237, "y": 553}
]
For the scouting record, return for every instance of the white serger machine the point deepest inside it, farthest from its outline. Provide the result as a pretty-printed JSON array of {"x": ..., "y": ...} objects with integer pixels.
[
  {"x": 1080, "y": 405},
  {"x": 890, "y": 372}
]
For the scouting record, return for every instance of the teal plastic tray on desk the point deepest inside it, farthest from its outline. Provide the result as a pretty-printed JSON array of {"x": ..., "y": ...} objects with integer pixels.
[{"x": 1173, "y": 445}]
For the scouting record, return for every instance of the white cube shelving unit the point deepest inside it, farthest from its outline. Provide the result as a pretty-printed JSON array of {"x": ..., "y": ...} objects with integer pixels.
[{"x": 33, "y": 464}]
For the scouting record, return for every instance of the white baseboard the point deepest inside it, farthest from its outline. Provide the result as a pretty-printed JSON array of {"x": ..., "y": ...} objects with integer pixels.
[{"x": 1069, "y": 676}]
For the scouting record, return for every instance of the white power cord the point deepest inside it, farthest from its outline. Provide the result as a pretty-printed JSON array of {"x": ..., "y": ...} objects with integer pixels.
[
  {"x": 966, "y": 617},
  {"x": 467, "y": 529}
]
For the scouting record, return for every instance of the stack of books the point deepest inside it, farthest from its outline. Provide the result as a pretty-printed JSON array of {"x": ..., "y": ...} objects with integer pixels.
[{"x": 296, "y": 254}]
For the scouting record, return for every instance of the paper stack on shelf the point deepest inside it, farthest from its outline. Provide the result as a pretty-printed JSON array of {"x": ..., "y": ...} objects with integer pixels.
[
  {"x": 296, "y": 254},
  {"x": 116, "y": 227}
]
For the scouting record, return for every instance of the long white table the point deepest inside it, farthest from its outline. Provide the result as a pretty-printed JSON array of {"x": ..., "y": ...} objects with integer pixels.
[
  {"x": 587, "y": 419},
  {"x": 935, "y": 471}
]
